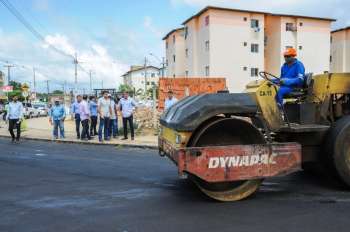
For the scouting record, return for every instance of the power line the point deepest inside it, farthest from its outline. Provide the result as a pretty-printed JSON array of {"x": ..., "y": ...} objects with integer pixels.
[{"x": 29, "y": 27}]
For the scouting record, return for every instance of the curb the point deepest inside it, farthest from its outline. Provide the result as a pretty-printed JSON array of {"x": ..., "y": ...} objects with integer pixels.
[{"x": 118, "y": 145}]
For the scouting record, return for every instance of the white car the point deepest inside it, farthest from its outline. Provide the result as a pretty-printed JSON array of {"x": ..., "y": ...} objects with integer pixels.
[
  {"x": 29, "y": 111},
  {"x": 41, "y": 108}
]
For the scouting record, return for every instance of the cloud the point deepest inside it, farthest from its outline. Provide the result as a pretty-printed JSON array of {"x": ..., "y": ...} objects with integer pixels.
[
  {"x": 327, "y": 8},
  {"x": 52, "y": 66},
  {"x": 41, "y": 5},
  {"x": 148, "y": 24}
]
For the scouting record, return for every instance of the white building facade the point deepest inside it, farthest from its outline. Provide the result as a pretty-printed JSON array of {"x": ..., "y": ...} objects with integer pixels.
[
  {"x": 340, "y": 50},
  {"x": 141, "y": 78},
  {"x": 175, "y": 53},
  {"x": 238, "y": 44}
]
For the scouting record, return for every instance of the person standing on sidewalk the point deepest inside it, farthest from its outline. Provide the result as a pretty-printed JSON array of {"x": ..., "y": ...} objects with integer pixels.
[
  {"x": 15, "y": 116},
  {"x": 84, "y": 117},
  {"x": 105, "y": 111},
  {"x": 76, "y": 114},
  {"x": 127, "y": 106},
  {"x": 93, "y": 117},
  {"x": 170, "y": 101},
  {"x": 57, "y": 115},
  {"x": 113, "y": 122}
]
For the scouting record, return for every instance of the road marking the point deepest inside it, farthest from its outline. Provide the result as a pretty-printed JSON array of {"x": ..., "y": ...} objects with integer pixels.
[{"x": 40, "y": 154}]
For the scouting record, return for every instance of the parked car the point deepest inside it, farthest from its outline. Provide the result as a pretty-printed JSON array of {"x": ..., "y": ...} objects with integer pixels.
[
  {"x": 29, "y": 111},
  {"x": 41, "y": 108}
]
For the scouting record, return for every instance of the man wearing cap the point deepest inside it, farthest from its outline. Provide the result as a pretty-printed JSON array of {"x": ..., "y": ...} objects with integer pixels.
[
  {"x": 292, "y": 75},
  {"x": 171, "y": 100},
  {"x": 57, "y": 115}
]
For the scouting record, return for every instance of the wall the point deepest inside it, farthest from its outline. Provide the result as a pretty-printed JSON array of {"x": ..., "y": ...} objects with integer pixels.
[
  {"x": 183, "y": 87},
  {"x": 340, "y": 51},
  {"x": 314, "y": 37},
  {"x": 228, "y": 55},
  {"x": 273, "y": 58}
]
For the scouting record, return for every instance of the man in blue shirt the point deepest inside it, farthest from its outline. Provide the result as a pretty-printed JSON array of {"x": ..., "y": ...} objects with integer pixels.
[
  {"x": 57, "y": 116},
  {"x": 292, "y": 75},
  {"x": 94, "y": 114},
  {"x": 76, "y": 113}
]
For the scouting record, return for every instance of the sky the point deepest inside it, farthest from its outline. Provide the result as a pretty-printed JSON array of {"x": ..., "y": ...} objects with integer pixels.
[{"x": 110, "y": 35}]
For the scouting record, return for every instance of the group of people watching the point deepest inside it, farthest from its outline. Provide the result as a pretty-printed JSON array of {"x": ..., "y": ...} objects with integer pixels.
[{"x": 86, "y": 113}]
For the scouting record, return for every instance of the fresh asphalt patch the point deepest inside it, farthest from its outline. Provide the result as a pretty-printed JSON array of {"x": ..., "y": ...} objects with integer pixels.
[{"x": 49, "y": 186}]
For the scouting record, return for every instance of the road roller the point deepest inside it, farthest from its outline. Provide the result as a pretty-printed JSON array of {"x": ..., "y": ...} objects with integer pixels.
[{"x": 228, "y": 143}]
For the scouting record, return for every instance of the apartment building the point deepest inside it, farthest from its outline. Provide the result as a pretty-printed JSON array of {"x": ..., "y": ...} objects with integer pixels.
[
  {"x": 237, "y": 44},
  {"x": 340, "y": 50},
  {"x": 310, "y": 36},
  {"x": 141, "y": 78},
  {"x": 175, "y": 53}
]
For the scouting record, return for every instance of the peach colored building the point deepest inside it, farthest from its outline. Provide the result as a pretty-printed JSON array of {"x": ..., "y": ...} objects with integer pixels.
[
  {"x": 340, "y": 50},
  {"x": 309, "y": 35},
  {"x": 175, "y": 53},
  {"x": 237, "y": 44}
]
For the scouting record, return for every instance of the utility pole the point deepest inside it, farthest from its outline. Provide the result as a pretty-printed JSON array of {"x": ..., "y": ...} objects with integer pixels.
[
  {"x": 34, "y": 81},
  {"x": 102, "y": 84},
  {"x": 76, "y": 74},
  {"x": 90, "y": 81},
  {"x": 145, "y": 71},
  {"x": 8, "y": 66},
  {"x": 163, "y": 66},
  {"x": 48, "y": 90}
]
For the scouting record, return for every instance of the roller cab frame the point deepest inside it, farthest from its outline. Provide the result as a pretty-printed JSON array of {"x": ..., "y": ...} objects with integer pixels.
[{"x": 229, "y": 143}]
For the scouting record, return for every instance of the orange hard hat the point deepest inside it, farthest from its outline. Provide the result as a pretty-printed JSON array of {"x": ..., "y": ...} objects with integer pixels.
[{"x": 290, "y": 52}]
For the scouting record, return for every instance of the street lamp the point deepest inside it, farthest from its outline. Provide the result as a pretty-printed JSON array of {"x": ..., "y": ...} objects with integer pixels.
[{"x": 162, "y": 62}]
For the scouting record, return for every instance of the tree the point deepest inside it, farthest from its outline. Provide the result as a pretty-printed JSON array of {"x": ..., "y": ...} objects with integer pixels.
[
  {"x": 57, "y": 92},
  {"x": 125, "y": 88}
]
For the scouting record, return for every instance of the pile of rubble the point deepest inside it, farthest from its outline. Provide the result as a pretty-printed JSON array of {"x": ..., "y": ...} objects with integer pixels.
[{"x": 146, "y": 120}]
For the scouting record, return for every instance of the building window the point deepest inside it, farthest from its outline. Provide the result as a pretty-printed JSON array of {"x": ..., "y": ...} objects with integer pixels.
[
  {"x": 207, "y": 46},
  {"x": 174, "y": 75},
  {"x": 288, "y": 47},
  {"x": 254, "y": 23},
  {"x": 245, "y": 44},
  {"x": 186, "y": 32},
  {"x": 153, "y": 83},
  {"x": 174, "y": 58},
  {"x": 174, "y": 39},
  {"x": 186, "y": 52},
  {"x": 254, "y": 72},
  {"x": 290, "y": 27},
  {"x": 166, "y": 45},
  {"x": 331, "y": 39},
  {"x": 207, "y": 71},
  {"x": 166, "y": 63},
  {"x": 245, "y": 68},
  {"x": 254, "y": 48},
  {"x": 153, "y": 75},
  {"x": 330, "y": 59},
  {"x": 245, "y": 19},
  {"x": 301, "y": 24},
  {"x": 186, "y": 73},
  {"x": 300, "y": 47},
  {"x": 207, "y": 20}
]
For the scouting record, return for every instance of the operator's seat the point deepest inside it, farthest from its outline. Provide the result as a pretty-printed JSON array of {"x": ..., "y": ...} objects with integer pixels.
[{"x": 302, "y": 91}]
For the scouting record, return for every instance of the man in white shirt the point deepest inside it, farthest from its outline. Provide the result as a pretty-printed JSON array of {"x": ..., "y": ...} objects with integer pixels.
[
  {"x": 15, "y": 116},
  {"x": 113, "y": 122},
  {"x": 127, "y": 106},
  {"x": 104, "y": 111},
  {"x": 84, "y": 110},
  {"x": 170, "y": 100}
]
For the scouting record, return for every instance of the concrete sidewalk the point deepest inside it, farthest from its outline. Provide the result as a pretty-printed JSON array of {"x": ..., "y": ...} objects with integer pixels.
[{"x": 40, "y": 129}]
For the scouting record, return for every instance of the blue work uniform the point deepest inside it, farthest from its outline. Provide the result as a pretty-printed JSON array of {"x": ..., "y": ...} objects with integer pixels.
[{"x": 292, "y": 77}]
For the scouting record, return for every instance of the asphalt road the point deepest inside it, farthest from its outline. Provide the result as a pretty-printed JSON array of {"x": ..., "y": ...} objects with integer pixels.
[{"x": 67, "y": 187}]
